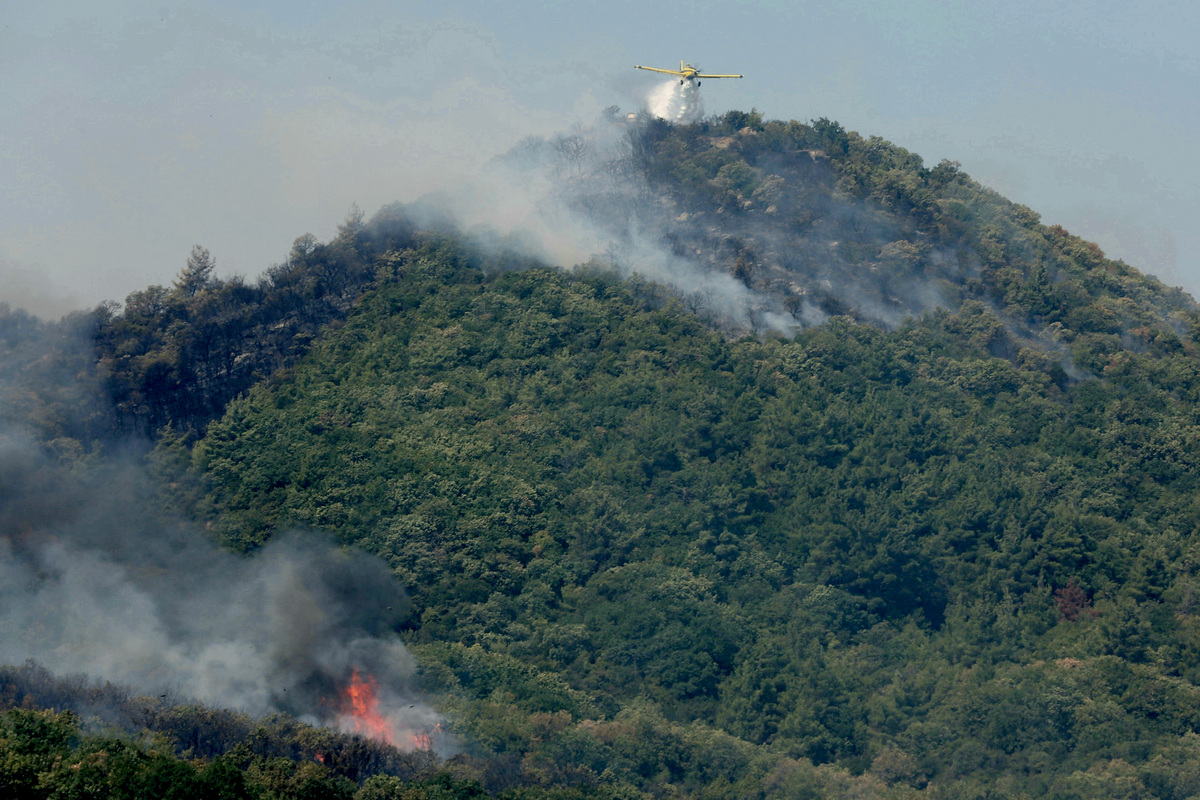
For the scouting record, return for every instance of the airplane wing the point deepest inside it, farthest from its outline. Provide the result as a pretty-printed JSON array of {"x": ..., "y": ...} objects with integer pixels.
[
  {"x": 656, "y": 69},
  {"x": 720, "y": 76}
]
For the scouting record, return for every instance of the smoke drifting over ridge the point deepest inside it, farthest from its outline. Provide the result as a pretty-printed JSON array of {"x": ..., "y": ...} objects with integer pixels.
[
  {"x": 581, "y": 198},
  {"x": 93, "y": 581},
  {"x": 763, "y": 245}
]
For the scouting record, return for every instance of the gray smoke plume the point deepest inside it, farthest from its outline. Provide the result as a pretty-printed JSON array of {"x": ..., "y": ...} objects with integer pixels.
[{"x": 94, "y": 581}]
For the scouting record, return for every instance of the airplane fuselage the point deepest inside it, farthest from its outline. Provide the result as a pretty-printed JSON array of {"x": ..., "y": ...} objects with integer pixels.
[{"x": 685, "y": 73}]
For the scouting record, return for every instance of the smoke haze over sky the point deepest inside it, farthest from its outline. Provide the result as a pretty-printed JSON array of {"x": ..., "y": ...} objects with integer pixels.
[{"x": 135, "y": 129}]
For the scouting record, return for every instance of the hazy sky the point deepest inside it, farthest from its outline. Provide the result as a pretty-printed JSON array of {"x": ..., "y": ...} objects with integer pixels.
[{"x": 133, "y": 129}]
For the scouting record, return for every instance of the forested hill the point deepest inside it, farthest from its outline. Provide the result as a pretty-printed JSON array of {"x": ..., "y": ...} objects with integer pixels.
[
  {"x": 757, "y": 227},
  {"x": 853, "y": 546},
  {"x": 911, "y": 513}
]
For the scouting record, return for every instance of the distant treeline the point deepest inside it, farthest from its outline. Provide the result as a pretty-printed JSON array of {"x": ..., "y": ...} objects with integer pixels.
[{"x": 177, "y": 355}]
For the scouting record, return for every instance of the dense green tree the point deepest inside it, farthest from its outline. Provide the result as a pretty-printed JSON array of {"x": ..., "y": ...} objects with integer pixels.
[{"x": 198, "y": 273}]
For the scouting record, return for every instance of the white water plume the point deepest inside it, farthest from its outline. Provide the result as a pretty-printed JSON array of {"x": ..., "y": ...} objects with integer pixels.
[{"x": 676, "y": 101}]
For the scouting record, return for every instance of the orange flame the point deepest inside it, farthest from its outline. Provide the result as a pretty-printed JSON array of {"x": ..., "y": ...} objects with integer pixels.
[
  {"x": 359, "y": 713},
  {"x": 361, "y": 706},
  {"x": 424, "y": 741}
]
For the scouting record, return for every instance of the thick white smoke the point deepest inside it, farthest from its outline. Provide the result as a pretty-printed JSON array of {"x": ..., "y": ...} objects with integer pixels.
[{"x": 676, "y": 101}]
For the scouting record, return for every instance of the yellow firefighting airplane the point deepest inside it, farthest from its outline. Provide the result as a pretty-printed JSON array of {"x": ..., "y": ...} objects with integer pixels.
[{"x": 686, "y": 72}]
